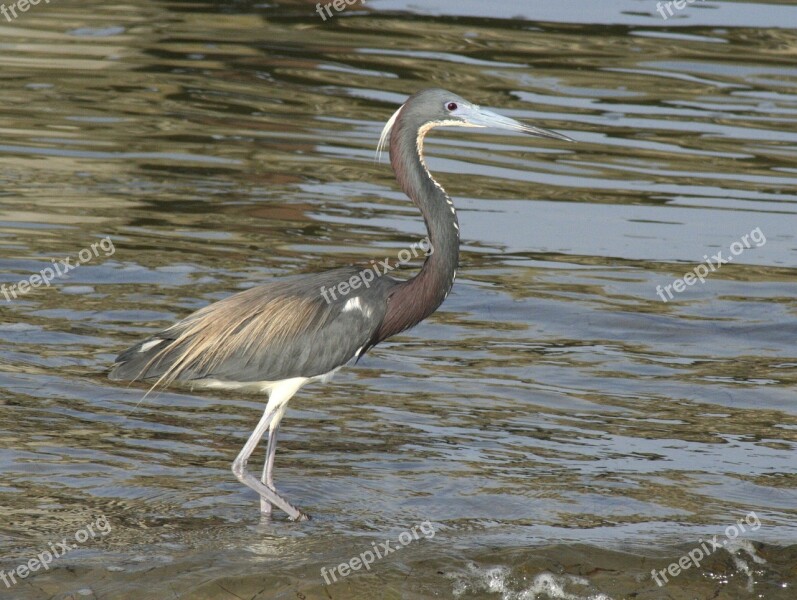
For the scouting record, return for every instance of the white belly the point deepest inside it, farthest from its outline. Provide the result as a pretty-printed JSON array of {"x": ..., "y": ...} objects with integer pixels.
[{"x": 260, "y": 387}]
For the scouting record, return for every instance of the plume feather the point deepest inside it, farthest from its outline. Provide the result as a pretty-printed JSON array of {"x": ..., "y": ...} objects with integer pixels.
[{"x": 383, "y": 139}]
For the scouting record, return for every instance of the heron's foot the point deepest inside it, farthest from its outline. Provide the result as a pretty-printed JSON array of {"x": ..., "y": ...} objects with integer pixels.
[
  {"x": 267, "y": 495},
  {"x": 303, "y": 516},
  {"x": 266, "y": 508}
]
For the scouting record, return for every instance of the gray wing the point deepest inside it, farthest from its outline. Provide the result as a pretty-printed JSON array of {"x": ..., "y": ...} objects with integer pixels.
[{"x": 283, "y": 329}]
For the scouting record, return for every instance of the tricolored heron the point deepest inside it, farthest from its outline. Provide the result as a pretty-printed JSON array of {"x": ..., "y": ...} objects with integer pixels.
[{"x": 277, "y": 337}]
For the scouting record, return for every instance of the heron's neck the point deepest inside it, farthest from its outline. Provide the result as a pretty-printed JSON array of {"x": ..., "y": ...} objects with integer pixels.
[{"x": 417, "y": 298}]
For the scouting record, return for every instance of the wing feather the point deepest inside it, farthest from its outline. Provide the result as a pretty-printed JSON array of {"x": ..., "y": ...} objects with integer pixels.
[{"x": 282, "y": 329}]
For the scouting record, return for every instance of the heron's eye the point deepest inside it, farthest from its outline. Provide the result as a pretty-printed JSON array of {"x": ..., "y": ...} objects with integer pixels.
[{"x": 452, "y": 106}]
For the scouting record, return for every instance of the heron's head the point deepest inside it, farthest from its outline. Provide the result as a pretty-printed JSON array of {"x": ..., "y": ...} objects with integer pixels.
[{"x": 440, "y": 108}]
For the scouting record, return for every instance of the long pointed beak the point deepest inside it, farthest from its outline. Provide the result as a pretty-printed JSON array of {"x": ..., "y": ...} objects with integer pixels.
[{"x": 487, "y": 118}]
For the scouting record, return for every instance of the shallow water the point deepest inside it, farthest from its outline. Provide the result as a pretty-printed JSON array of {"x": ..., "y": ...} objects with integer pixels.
[{"x": 555, "y": 430}]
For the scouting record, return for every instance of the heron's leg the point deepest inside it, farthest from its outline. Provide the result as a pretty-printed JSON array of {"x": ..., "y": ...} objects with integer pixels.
[
  {"x": 279, "y": 396},
  {"x": 271, "y": 450},
  {"x": 268, "y": 469}
]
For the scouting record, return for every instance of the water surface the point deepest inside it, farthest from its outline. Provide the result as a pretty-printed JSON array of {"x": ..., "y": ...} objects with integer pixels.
[{"x": 556, "y": 429}]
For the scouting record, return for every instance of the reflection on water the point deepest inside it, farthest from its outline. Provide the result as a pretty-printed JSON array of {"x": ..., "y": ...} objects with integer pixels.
[{"x": 563, "y": 429}]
